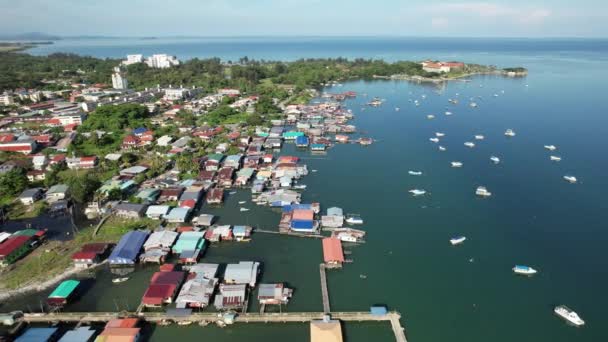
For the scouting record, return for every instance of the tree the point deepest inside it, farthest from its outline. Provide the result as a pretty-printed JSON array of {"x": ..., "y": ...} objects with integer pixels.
[
  {"x": 82, "y": 186},
  {"x": 255, "y": 120},
  {"x": 13, "y": 182}
]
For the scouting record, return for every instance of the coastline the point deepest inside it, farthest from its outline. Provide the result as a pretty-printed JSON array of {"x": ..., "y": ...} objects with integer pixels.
[{"x": 417, "y": 78}]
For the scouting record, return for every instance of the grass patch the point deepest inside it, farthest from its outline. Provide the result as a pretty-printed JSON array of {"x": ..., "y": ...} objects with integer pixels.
[{"x": 19, "y": 211}]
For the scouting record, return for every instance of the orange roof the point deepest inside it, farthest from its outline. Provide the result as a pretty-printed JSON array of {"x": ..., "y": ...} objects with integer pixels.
[
  {"x": 122, "y": 323},
  {"x": 332, "y": 250},
  {"x": 303, "y": 214},
  {"x": 119, "y": 334}
]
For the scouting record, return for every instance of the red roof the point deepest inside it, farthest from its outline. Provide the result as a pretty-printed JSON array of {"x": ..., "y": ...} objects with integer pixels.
[
  {"x": 303, "y": 214},
  {"x": 189, "y": 203},
  {"x": 11, "y": 244},
  {"x": 332, "y": 250},
  {"x": 44, "y": 138},
  {"x": 84, "y": 256},
  {"x": 87, "y": 159},
  {"x": 95, "y": 247},
  {"x": 174, "y": 277},
  {"x": 185, "y": 229},
  {"x": 53, "y": 121},
  {"x": 58, "y": 158},
  {"x": 288, "y": 159},
  {"x": 167, "y": 267},
  {"x": 156, "y": 294},
  {"x": 122, "y": 323},
  {"x": 119, "y": 334},
  {"x": 5, "y": 138},
  {"x": 130, "y": 139}
]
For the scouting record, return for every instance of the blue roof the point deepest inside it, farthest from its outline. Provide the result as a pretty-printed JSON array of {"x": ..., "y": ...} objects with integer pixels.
[
  {"x": 301, "y": 224},
  {"x": 239, "y": 230},
  {"x": 128, "y": 247},
  {"x": 140, "y": 130},
  {"x": 37, "y": 335},
  {"x": 378, "y": 310},
  {"x": 302, "y": 140},
  {"x": 292, "y": 207},
  {"x": 78, "y": 335}
]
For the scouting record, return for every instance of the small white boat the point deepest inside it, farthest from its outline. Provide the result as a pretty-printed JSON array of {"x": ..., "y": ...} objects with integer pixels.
[
  {"x": 415, "y": 173},
  {"x": 510, "y": 133},
  {"x": 555, "y": 158},
  {"x": 184, "y": 323},
  {"x": 569, "y": 315},
  {"x": 299, "y": 186},
  {"x": 457, "y": 240},
  {"x": 525, "y": 270},
  {"x": 441, "y": 148},
  {"x": 473, "y": 104},
  {"x": 483, "y": 192},
  {"x": 479, "y": 137},
  {"x": 550, "y": 147},
  {"x": 242, "y": 202},
  {"x": 495, "y": 159},
  {"x": 362, "y": 276},
  {"x": 397, "y": 109},
  {"x": 469, "y": 144},
  {"x": 354, "y": 219},
  {"x": 314, "y": 170},
  {"x": 120, "y": 280},
  {"x": 570, "y": 179},
  {"x": 456, "y": 164},
  {"x": 439, "y": 134},
  {"x": 448, "y": 113},
  {"x": 417, "y": 192},
  {"x": 244, "y": 209},
  {"x": 435, "y": 140},
  {"x": 430, "y": 116},
  {"x": 232, "y": 193}
]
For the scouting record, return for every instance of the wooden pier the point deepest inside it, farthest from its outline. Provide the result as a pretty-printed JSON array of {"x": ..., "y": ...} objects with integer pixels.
[
  {"x": 265, "y": 231},
  {"x": 324, "y": 290}
]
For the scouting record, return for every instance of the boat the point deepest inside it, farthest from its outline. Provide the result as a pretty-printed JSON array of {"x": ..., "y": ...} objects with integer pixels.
[
  {"x": 184, "y": 323},
  {"x": 550, "y": 147},
  {"x": 435, "y": 140},
  {"x": 430, "y": 116},
  {"x": 362, "y": 276},
  {"x": 469, "y": 144},
  {"x": 244, "y": 209},
  {"x": 495, "y": 159},
  {"x": 483, "y": 192},
  {"x": 479, "y": 137},
  {"x": 417, "y": 192},
  {"x": 314, "y": 170},
  {"x": 448, "y": 113},
  {"x": 456, "y": 164},
  {"x": 441, "y": 148},
  {"x": 569, "y": 315},
  {"x": 439, "y": 134},
  {"x": 510, "y": 133},
  {"x": 570, "y": 179},
  {"x": 120, "y": 280},
  {"x": 415, "y": 173},
  {"x": 232, "y": 193},
  {"x": 525, "y": 270},
  {"x": 242, "y": 202},
  {"x": 299, "y": 187},
  {"x": 555, "y": 158},
  {"x": 473, "y": 104},
  {"x": 457, "y": 240},
  {"x": 397, "y": 109},
  {"x": 354, "y": 219}
]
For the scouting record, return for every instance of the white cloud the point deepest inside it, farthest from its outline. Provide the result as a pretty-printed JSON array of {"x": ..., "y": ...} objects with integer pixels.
[{"x": 490, "y": 11}]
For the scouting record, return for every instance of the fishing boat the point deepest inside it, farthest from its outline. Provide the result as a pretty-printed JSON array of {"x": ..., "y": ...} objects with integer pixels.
[
  {"x": 495, "y": 159},
  {"x": 354, "y": 219},
  {"x": 550, "y": 147},
  {"x": 242, "y": 202},
  {"x": 435, "y": 140},
  {"x": 479, "y": 137},
  {"x": 441, "y": 148},
  {"x": 525, "y": 270},
  {"x": 184, "y": 323},
  {"x": 439, "y": 134},
  {"x": 244, "y": 209},
  {"x": 457, "y": 240},
  {"x": 555, "y": 158},
  {"x": 415, "y": 173},
  {"x": 456, "y": 164},
  {"x": 417, "y": 192},
  {"x": 120, "y": 280},
  {"x": 569, "y": 315},
  {"x": 570, "y": 179},
  {"x": 483, "y": 192},
  {"x": 510, "y": 133},
  {"x": 469, "y": 144}
]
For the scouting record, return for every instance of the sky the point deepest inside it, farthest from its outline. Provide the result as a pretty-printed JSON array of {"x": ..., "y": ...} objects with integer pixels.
[{"x": 444, "y": 18}]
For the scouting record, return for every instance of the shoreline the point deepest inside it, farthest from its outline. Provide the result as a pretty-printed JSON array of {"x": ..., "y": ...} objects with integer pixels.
[{"x": 451, "y": 78}]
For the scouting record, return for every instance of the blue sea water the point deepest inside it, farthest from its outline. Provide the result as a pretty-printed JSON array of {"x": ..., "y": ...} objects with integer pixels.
[{"x": 465, "y": 293}]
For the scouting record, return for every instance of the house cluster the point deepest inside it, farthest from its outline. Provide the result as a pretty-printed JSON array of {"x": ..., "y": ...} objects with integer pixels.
[
  {"x": 441, "y": 67},
  {"x": 13, "y": 246}
]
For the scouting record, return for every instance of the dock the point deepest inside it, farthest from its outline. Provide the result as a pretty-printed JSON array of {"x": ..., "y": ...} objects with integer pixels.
[
  {"x": 324, "y": 291},
  {"x": 266, "y": 231}
]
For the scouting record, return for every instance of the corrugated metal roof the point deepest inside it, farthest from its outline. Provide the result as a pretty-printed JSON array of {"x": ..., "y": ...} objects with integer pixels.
[
  {"x": 78, "y": 335},
  {"x": 128, "y": 247},
  {"x": 65, "y": 289},
  {"x": 332, "y": 250},
  {"x": 36, "y": 335}
]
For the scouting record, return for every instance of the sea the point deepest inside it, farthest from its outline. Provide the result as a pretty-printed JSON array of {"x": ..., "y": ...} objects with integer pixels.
[{"x": 444, "y": 292}]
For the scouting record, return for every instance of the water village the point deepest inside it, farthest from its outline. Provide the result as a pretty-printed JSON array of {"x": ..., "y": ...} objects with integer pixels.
[{"x": 151, "y": 208}]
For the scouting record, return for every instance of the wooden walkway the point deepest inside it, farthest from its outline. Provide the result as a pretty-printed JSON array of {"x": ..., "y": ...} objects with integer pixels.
[
  {"x": 265, "y": 231},
  {"x": 324, "y": 291}
]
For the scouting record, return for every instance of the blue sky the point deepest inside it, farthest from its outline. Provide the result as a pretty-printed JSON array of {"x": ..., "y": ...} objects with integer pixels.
[{"x": 513, "y": 18}]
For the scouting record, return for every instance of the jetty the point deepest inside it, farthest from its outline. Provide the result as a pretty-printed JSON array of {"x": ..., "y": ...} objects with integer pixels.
[
  {"x": 289, "y": 233},
  {"x": 324, "y": 291}
]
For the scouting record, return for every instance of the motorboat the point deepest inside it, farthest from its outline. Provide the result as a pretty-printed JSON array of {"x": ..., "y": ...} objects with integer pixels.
[
  {"x": 510, "y": 133},
  {"x": 415, "y": 173},
  {"x": 441, "y": 148},
  {"x": 244, "y": 209},
  {"x": 242, "y": 202},
  {"x": 483, "y": 192},
  {"x": 525, "y": 270},
  {"x": 456, "y": 164},
  {"x": 469, "y": 144},
  {"x": 299, "y": 187},
  {"x": 430, "y": 116},
  {"x": 354, "y": 219},
  {"x": 435, "y": 140},
  {"x": 555, "y": 158},
  {"x": 120, "y": 280},
  {"x": 550, "y": 147},
  {"x": 479, "y": 137},
  {"x": 448, "y": 113},
  {"x": 570, "y": 179},
  {"x": 439, "y": 134},
  {"x": 457, "y": 240},
  {"x": 495, "y": 159},
  {"x": 473, "y": 105},
  {"x": 417, "y": 192},
  {"x": 569, "y": 315}
]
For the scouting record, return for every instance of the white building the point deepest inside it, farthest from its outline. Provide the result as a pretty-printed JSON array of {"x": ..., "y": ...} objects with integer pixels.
[
  {"x": 162, "y": 61},
  {"x": 133, "y": 59},
  {"x": 118, "y": 80},
  {"x": 173, "y": 94},
  {"x": 6, "y": 99}
]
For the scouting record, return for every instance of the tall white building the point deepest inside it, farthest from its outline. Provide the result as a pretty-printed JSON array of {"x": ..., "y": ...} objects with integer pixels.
[
  {"x": 133, "y": 59},
  {"x": 118, "y": 80},
  {"x": 162, "y": 61}
]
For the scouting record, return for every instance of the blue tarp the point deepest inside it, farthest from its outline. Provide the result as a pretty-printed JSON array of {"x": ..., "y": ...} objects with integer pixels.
[
  {"x": 128, "y": 247},
  {"x": 292, "y": 207},
  {"x": 301, "y": 224},
  {"x": 303, "y": 140}
]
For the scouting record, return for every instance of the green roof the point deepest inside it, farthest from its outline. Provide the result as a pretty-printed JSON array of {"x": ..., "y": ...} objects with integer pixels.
[
  {"x": 293, "y": 134},
  {"x": 189, "y": 241},
  {"x": 26, "y": 232},
  {"x": 216, "y": 156},
  {"x": 65, "y": 289}
]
